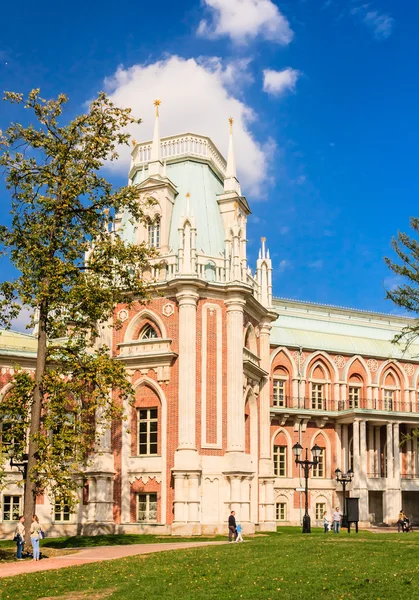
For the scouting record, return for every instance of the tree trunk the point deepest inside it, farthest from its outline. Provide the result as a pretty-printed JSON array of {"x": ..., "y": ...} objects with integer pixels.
[{"x": 30, "y": 486}]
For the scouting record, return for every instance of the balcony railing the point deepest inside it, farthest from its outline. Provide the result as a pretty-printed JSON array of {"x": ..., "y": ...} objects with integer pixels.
[
  {"x": 348, "y": 405},
  {"x": 409, "y": 475}
]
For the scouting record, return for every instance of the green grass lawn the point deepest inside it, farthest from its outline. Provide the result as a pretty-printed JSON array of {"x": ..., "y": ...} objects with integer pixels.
[{"x": 284, "y": 565}]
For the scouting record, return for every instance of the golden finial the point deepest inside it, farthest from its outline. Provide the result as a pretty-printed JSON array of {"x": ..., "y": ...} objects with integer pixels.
[
  {"x": 106, "y": 211},
  {"x": 188, "y": 195},
  {"x": 134, "y": 143},
  {"x": 231, "y": 121},
  {"x": 157, "y": 103},
  {"x": 263, "y": 239}
]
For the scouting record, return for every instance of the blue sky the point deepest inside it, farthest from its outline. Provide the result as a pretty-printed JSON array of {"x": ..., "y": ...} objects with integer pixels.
[{"x": 324, "y": 94}]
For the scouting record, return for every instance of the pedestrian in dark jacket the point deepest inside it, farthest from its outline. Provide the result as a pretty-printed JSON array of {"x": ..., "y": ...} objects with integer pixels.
[{"x": 232, "y": 527}]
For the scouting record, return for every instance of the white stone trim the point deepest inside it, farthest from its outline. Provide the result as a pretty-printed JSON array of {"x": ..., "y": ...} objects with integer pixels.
[{"x": 144, "y": 314}]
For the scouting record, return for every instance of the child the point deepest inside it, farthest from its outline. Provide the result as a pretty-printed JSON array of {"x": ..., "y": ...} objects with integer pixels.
[
  {"x": 326, "y": 523},
  {"x": 239, "y": 537}
]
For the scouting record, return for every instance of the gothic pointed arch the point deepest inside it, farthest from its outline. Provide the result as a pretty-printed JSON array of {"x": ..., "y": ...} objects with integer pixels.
[
  {"x": 139, "y": 321},
  {"x": 285, "y": 433},
  {"x": 401, "y": 373},
  {"x": 287, "y": 354},
  {"x": 362, "y": 364},
  {"x": 249, "y": 339},
  {"x": 318, "y": 437},
  {"x": 320, "y": 357}
]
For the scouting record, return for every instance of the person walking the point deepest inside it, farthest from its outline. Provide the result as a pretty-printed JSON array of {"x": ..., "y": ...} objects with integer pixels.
[
  {"x": 239, "y": 536},
  {"x": 35, "y": 536},
  {"x": 20, "y": 537},
  {"x": 232, "y": 526},
  {"x": 337, "y": 517}
]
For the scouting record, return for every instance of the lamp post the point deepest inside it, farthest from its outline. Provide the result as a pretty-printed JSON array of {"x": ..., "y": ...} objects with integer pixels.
[
  {"x": 307, "y": 465},
  {"x": 344, "y": 479}
]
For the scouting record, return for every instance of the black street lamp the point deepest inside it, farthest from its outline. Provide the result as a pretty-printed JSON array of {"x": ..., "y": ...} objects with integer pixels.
[
  {"x": 307, "y": 465},
  {"x": 344, "y": 479}
]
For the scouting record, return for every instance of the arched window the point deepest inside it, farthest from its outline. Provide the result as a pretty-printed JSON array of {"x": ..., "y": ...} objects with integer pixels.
[
  {"x": 153, "y": 230},
  {"x": 148, "y": 333}
]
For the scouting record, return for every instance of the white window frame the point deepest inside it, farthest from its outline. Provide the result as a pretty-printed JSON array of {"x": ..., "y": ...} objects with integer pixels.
[
  {"x": 146, "y": 330},
  {"x": 316, "y": 473},
  {"x": 316, "y": 398},
  {"x": 320, "y": 510},
  {"x": 388, "y": 404},
  {"x": 354, "y": 397},
  {"x": 148, "y": 421},
  {"x": 150, "y": 498},
  {"x": 280, "y": 455},
  {"x": 153, "y": 232},
  {"x": 278, "y": 401},
  {"x": 61, "y": 512},
  {"x": 281, "y": 511},
  {"x": 12, "y": 504}
]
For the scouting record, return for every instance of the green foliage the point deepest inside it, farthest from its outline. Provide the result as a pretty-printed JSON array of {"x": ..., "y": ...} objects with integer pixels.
[
  {"x": 406, "y": 295},
  {"x": 74, "y": 268}
]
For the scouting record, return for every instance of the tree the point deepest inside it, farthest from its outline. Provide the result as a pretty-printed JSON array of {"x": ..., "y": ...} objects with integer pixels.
[
  {"x": 406, "y": 295},
  {"x": 74, "y": 268}
]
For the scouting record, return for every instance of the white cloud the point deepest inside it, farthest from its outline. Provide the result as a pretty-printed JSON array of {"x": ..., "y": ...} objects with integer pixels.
[
  {"x": 316, "y": 265},
  {"x": 283, "y": 265},
  {"x": 21, "y": 321},
  {"x": 195, "y": 97},
  {"x": 380, "y": 23},
  {"x": 278, "y": 82},
  {"x": 242, "y": 20}
]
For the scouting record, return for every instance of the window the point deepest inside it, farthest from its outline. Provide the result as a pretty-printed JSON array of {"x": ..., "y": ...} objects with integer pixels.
[
  {"x": 317, "y": 400},
  {"x": 147, "y": 431},
  {"x": 319, "y": 470},
  {"x": 280, "y": 461},
  {"x": 281, "y": 511},
  {"x": 279, "y": 392},
  {"x": 153, "y": 230},
  {"x": 320, "y": 510},
  {"x": 354, "y": 397},
  {"x": 147, "y": 507},
  {"x": 61, "y": 512},
  {"x": 388, "y": 399},
  {"x": 11, "y": 508},
  {"x": 148, "y": 333}
]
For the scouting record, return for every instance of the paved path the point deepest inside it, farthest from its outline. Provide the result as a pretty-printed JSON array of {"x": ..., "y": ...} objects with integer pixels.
[{"x": 91, "y": 555}]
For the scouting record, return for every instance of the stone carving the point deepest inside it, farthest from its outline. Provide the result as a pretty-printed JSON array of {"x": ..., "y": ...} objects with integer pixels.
[
  {"x": 339, "y": 361},
  {"x": 168, "y": 309},
  {"x": 372, "y": 364},
  {"x": 410, "y": 369},
  {"x": 123, "y": 315},
  {"x": 297, "y": 357}
]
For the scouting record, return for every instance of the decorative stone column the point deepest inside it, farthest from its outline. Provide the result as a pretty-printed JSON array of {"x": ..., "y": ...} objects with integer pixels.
[
  {"x": 388, "y": 504},
  {"x": 338, "y": 429},
  {"x": 396, "y": 480},
  {"x": 356, "y": 458},
  {"x": 363, "y": 491},
  {"x": 186, "y": 471},
  {"x": 187, "y": 299},
  {"x": 235, "y": 404},
  {"x": 370, "y": 464},
  {"x": 345, "y": 448},
  {"x": 266, "y": 476},
  {"x": 377, "y": 468}
]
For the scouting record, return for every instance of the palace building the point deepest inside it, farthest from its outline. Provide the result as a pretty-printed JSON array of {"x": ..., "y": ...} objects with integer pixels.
[{"x": 228, "y": 378}]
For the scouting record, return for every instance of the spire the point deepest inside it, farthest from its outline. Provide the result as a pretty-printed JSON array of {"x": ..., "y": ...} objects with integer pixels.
[
  {"x": 155, "y": 148},
  {"x": 231, "y": 163},
  {"x": 231, "y": 183}
]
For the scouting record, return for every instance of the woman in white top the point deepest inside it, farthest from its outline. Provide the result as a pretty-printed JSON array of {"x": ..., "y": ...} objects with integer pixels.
[{"x": 35, "y": 536}]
